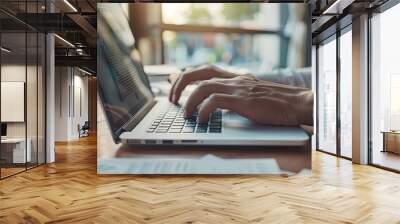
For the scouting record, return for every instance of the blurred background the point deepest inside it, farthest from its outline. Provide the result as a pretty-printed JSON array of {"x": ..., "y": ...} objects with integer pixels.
[{"x": 258, "y": 37}]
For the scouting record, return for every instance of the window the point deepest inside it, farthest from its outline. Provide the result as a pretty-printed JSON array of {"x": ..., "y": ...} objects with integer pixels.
[
  {"x": 335, "y": 94},
  {"x": 327, "y": 97},
  {"x": 242, "y": 50},
  {"x": 385, "y": 89},
  {"x": 346, "y": 94},
  {"x": 239, "y": 15},
  {"x": 235, "y": 34}
]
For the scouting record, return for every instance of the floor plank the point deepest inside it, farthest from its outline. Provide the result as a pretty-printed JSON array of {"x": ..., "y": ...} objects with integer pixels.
[{"x": 70, "y": 191}]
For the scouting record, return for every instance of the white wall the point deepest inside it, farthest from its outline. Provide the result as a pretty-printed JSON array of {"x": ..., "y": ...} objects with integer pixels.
[
  {"x": 79, "y": 117},
  {"x": 33, "y": 126},
  {"x": 70, "y": 84},
  {"x": 12, "y": 73},
  {"x": 314, "y": 89},
  {"x": 61, "y": 103}
]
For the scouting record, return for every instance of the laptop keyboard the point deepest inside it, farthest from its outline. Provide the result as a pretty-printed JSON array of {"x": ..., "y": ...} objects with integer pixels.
[{"x": 173, "y": 121}]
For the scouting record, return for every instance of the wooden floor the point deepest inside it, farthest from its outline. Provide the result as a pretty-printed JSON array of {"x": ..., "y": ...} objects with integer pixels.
[
  {"x": 387, "y": 159},
  {"x": 70, "y": 191},
  {"x": 5, "y": 172}
]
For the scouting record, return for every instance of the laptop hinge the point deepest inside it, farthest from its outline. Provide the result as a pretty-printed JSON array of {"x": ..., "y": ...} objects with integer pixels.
[{"x": 131, "y": 124}]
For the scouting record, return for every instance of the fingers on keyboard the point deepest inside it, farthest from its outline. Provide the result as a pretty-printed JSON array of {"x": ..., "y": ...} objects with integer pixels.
[{"x": 173, "y": 121}]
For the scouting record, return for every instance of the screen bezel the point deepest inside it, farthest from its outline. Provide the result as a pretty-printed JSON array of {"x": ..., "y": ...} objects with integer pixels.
[{"x": 136, "y": 118}]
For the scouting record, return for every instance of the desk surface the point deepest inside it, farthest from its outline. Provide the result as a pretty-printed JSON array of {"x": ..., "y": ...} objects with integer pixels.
[
  {"x": 13, "y": 140},
  {"x": 391, "y": 132}
]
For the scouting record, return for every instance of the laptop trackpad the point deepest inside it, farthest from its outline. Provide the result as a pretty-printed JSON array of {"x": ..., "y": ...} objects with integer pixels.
[{"x": 234, "y": 120}]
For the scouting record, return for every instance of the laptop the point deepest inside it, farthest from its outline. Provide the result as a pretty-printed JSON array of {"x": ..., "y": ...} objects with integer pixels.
[{"x": 136, "y": 116}]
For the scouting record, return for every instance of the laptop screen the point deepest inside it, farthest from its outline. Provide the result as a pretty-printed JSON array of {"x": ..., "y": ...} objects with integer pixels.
[{"x": 122, "y": 84}]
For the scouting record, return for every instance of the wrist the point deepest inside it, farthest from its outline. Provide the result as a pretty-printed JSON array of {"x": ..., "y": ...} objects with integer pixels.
[{"x": 304, "y": 108}]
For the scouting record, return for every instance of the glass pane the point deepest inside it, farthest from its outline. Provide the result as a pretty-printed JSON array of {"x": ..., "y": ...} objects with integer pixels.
[
  {"x": 256, "y": 52},
  {"x": 327, "y": 97},
  {"x": 346, "y": 94},
  {"x": 385, "y": 84},
  {"x": 242, "y": 15},
  {"x": 13, "y": 87},
  {"x": 31, "y": 98},
  {"x": 41, "y": 99}
]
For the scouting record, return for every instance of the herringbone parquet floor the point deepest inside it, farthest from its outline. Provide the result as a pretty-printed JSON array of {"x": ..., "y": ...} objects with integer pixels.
[{"x": 70, "y": 191}]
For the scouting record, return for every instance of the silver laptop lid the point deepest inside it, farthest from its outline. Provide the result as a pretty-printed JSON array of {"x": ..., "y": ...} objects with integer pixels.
[{"x": 123, "y": 86}]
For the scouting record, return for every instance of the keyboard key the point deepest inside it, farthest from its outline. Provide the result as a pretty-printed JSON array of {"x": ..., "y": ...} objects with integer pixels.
[
  {"x": 201, "y": 130},
  {"x": 161, "y": 130},
  {"x": 215, "y": 130},
  {"x": 167, "y": 120},
  {"x": 166, "y": 123},
  {"x": 174, "y": 131},
  {"x": 215, "y": 118},
  {"x": 191, "y": 119},
  {"x": 216, "y": 122},
  {"x": 164, "y": 126},
  {"x": 188, "y": 130}
]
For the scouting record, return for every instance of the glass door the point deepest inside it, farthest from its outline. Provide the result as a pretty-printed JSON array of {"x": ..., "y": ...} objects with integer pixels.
[
  {"x": 22, "y": 77},
  {"x": 14, "y": 153},
  {"x": 346, "y": 93},
  {"x": 327, "y": 96}
]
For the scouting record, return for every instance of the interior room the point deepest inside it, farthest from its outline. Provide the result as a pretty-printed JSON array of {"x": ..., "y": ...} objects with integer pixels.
[
  {"x": 50, "y": 110},
  {"x": 22, "y": 100},
  {"x": 385, "y": 122}
]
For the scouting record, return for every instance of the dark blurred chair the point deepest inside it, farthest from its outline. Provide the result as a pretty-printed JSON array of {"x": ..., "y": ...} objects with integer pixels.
[{"x": 84, "y": 130}]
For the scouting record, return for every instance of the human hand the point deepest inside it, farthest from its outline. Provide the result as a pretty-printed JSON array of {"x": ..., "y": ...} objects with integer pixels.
[
  {"x": 261, "y": 101},
  {"x": 204, "y": 72}
]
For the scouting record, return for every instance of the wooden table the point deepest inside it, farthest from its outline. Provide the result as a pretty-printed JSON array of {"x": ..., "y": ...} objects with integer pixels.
[{"x": 391, "y": 141}]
